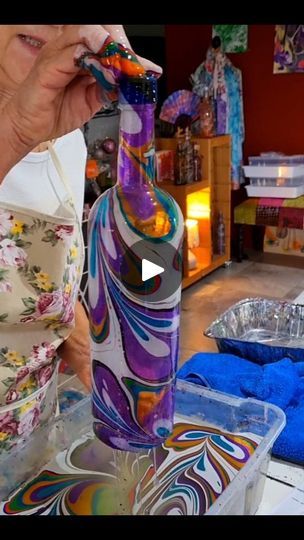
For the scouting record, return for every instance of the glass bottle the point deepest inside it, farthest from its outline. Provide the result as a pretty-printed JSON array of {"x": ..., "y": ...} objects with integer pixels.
[
  {"x": 180, "y": 169},
  {"x": 92, "y": 189},
  {"x": 221, "y": 236},
  {"x": 134, "y": 340},
  {"x": 188, "y": 157},
  {"x": 197, "y": 164},
  {"x": 206, "y": 115}
]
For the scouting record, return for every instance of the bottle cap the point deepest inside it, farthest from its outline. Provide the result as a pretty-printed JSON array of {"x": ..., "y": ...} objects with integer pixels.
[{"x": 138, "y": 90}]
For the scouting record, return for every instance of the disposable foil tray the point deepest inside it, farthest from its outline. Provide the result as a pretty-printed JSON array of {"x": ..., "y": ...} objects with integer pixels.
[{"x": 261, "y": 330}]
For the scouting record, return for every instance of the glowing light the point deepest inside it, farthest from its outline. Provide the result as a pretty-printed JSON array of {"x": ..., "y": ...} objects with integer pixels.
[
  {"x": 198, "y": 204},
  {"x": 192, "y": 233}
]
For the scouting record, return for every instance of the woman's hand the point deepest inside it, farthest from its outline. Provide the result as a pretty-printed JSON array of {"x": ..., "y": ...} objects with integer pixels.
[
  {"x": 75, "y": 350},
  {"x": 118, "y": 34},
  {"x": 57, "y": 96}
]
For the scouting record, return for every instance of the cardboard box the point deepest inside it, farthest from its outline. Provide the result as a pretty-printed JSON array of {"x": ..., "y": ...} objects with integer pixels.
[
  {"x": 284, "y": 241},
  {"x": 164, "y": 166}
]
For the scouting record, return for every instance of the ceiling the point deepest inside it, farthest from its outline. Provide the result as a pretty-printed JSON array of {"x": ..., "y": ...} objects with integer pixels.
[{"x": 145, "y": 29}]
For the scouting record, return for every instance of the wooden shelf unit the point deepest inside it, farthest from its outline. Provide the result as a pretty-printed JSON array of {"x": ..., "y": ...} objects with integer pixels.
[{"x": 203, "y": 201}]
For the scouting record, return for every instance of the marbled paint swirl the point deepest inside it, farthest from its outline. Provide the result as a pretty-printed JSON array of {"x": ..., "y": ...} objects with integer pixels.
[
  {"x": 109, "y": 65},
  {"x": 135, "y": 340},
  {"x": 194, "y": 467}
]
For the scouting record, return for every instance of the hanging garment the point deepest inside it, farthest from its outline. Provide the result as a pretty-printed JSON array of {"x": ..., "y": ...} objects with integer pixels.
[{"x": 225, "y": 85}]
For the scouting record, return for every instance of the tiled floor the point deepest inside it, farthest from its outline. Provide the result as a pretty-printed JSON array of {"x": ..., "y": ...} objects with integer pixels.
[{"x": 206, "y": 300}]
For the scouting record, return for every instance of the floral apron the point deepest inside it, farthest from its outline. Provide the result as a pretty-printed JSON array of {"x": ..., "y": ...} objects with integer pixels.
[{"x": 41, "y": 260}]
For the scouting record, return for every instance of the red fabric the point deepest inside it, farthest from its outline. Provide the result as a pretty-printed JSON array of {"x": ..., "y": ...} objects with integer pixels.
[
  {"x": 292, "y": 218},
  {"x": 271, "y": 202}
]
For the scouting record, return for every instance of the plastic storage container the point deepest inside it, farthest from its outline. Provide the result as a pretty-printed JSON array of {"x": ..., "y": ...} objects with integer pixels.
[
  {"x": 273, "y": 171},
  {"x": 276, "y": 192},
  {"x": 277, "y": 182},
  {"x": 193, "y": 403},
  {"x": 276, "y": 176},
  {"x": 276, "y": 159}
]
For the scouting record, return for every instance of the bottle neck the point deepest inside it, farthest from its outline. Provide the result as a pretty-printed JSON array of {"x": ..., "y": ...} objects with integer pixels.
[{"x": 136, "y": 154}]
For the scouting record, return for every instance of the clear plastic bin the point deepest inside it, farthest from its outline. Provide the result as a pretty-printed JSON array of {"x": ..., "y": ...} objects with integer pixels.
[
  {"x": 273, "y": 171},
  {"x": 193, "y": 403},
  {"x": 275, "y": 192},
  {"x": 276, "y": 159},
  {"x": 277, "y": 182}
]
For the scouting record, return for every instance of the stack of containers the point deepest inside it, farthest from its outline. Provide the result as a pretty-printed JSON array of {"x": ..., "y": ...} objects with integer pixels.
[{"x": 275, "y": 175}]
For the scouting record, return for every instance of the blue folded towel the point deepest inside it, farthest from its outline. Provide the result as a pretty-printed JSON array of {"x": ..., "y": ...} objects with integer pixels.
[
  {"x": 290, "y": 443},
  {"x": 221, "y": 372},
  {"x": 275, "y": 383},
  {"x": 280, "y": 383}
]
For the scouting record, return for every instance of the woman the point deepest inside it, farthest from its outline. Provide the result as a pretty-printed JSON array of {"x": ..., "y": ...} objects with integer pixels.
[{"x": 45, "y": 97}]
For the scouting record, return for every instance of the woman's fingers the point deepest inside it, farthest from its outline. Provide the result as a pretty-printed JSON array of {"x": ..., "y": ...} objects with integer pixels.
[
  {"x": 83, "y": 95},
  {"x": 91, "y": 36},
  {"x": 58, "y": 96},
  {"x": 57, "y": 62},
  {"x": 118, "y": 34},
  {"x": 150, "y": 66}
]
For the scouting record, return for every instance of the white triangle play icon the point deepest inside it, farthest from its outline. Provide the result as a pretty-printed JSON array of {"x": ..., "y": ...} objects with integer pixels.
[{"x": 149, "y": 269}]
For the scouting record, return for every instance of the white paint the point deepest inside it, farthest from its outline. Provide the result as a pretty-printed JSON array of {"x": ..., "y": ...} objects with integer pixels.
[
  {"x": 299, "y": 299},
  {"x": 79, "y": 51},
  {"x": 130, "y": 122},
  {"x": 117, "y": 32}
]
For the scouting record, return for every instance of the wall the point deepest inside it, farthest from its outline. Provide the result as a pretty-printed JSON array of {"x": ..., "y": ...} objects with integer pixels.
[
  {"x": 154, "y": 48},
  {"x": 273, "y": 104}
]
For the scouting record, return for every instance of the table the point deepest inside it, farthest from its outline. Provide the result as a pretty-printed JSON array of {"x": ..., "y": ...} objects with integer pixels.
[
  {"x": 282, "y": 477},
  {"x": 283, "y": 213}
]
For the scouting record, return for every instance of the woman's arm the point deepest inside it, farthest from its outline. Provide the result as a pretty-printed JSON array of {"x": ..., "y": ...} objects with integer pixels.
[
  {"x": 57, "y": 96},
  {"x": 75, "y": 351},
  {"x": 54, "y": 99}
]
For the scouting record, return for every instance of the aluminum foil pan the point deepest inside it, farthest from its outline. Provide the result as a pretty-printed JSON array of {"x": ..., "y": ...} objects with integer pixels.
[{"x": 261, "y": 330}]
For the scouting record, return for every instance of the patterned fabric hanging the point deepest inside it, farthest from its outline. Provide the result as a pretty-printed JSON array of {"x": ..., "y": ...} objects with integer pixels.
[{"x": 225, "y": 85}]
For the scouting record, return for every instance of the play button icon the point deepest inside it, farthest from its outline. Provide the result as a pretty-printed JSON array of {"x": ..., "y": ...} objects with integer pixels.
[
  {"x": 149, "y": 270},
  {"x": 152, "y": 271}
]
